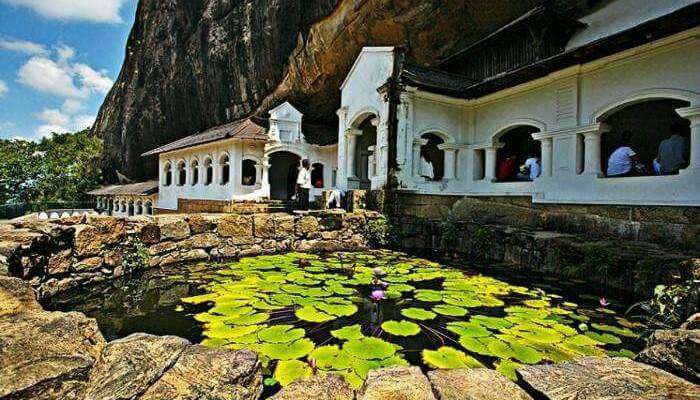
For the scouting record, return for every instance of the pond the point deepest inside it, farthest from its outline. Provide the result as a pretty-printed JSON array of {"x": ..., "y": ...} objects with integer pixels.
[{"x": 353, "y": 312}]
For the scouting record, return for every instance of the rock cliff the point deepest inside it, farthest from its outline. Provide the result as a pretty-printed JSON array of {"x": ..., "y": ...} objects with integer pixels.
[{"x": 193, "y": 64}]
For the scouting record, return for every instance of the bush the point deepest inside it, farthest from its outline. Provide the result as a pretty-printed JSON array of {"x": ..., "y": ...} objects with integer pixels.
[{"x": 382, "y": 233}]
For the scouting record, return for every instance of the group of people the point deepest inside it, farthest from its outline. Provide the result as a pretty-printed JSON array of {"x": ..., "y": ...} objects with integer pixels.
[
  {"x": 671, "y": 157},
  {"x": 303, "y": 188},
  {"x": 510, "y": 170}
]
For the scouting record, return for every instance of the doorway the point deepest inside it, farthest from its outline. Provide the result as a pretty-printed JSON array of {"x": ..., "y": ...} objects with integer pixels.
[{"x": 284, "y": 168}]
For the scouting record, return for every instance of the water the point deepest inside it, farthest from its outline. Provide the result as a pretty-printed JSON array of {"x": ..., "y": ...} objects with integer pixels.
[{"x": 293, "y": 308}]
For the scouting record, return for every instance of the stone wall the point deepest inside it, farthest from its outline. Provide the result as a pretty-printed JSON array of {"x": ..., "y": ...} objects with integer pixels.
[
  {"x": 60, "y": 255},
  {"x": 556, "y": 241}
]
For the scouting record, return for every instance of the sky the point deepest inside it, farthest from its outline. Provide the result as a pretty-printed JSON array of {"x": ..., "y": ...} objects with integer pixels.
[{"x": 58, "y": 60}]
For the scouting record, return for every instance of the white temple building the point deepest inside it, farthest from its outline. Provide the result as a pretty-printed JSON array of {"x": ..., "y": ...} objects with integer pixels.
[
  {"x": 545, "y": 86},
  {"x": 249, "y": 160}
]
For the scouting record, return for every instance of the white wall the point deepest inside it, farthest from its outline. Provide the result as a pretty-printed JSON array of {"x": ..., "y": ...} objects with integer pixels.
[{"x": 564, "y": 106}]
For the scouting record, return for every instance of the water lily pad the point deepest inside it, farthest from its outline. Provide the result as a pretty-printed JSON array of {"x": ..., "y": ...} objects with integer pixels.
[
  {"x": 223, "y": 331},
  {"x": 447, "y": 309},
  {"x": 339, "y": 310},
  {"x": 287, "y": 351},
  {"x": 606, "y": 338},
  {"x": 203, "y": 298},
  {"x": 615, "y": 330},
  {"x": 468, "y": 329},
  {"x": 325, "y": 357},
  {"x": 369, "y": 348},
  {"x": 401, "y": 328},
  {"x": 474, "y": 345},
  {"x": 352, "y": 332},
  {"x": 507, "y": 368},
  {"x": 311, "y": 314},
  {"x": 280, "y": 334},
  {"x": 525, "y": 354},
  {"x": 418, "y": 313},
  {"x": 491, "y": 322},
  {"x": 449, "y": 358},
  {"x": 251, "y": 319},
  {"x": 289, "y": 371},
  {"x": 428, "y": 296}
]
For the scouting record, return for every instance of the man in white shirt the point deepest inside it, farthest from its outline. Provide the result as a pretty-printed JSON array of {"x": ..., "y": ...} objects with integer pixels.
[
  {"x": 304, "y": 184},
  {"x": 623, "y": 160}
]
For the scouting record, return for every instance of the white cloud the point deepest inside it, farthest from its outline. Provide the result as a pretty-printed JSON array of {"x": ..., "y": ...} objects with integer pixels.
[
  {"x": 104, "y": 11},
  {"x": 56, "y": 121},
  {"x": 53, "y": 117},
  {"x": 23, "y": 46},
  {"x": 72, "y": 106},
  {"x": 3, "y": 88},
  {"x": 81, "y": 122},
  {"x": 46, "y": 131},
  {"x": 65, "y": 53},
  {"x": 92, "y": 79},
  {"x": 46, "y": 76}
]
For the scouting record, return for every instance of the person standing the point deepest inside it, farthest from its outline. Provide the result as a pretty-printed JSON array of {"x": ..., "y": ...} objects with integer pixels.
[{"x": 304, "y": 184}]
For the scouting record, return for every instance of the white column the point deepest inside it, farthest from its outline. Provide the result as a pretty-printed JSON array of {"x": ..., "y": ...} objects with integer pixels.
[
  {"x": 449, "y": 160},
  {"x": 490, "y": 164},
  {"x": 351, "y": 144},
  {"x": 371, "y": 161},
  {"x": 546, "y": 146},
  {"x": 417, "y": 144},
  {"x": 693, "y": 115},
  {"x": 591, "y": 149},
  {"x": 265, "y": 181}
]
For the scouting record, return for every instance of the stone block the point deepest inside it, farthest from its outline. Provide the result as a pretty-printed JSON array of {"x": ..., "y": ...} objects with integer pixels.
[
  {"x": 201, "y": 223},
  {"x": 174, "y": 228},
  {"x": 111, "y": 230},
  {"x": 16, "y": 297},
  {"x": 87, "y": 265},
  {"x": 88, "y": 241},
  {"x": 149, "y": 233},
  {"x": 404, "y": 383},
  {"x": 676, "y": 351},
  {"x": 162, "y": 248},
  {"x": 235, "y": 225},
  {"x": 318, "y": 387},
  {"x": 284, "y": 226},
  {"x": 474, "y": 384},
  {"x": 60, "y": 262},
  {"x": 201, "y": 241},
  {"x": 307, "y": 225},
  {"x": 264, "y": 226}
]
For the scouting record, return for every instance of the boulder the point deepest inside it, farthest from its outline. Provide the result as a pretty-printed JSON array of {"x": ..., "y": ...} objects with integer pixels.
[
  {"x": 202, "y": 241},
  {"x": 676, "y": 351},
  {"x": 474, "y": 384},
  {"x": 88, "y": 241},
  {"x": 318, "y": 387},
  {"x": 127, "y": 367},
  {"x": 234, "y": 225},
  {"x": 149, "y": 233},
  {"x": 396, "y": 383},
  {"x": 88, "y": 265},
  {"x": 693, "y": 322},
  {"x": 307, "y": 225},
  {"x": 590, "y": 378},
  {"x": 201, "y": 224},
  {"x": 210, "y": 374},
  {"x": 111, "y": 230},
  {"x": 162, "y": 248},
  {"x": 60, "y": 262},
  {"x": 16, "y": 296},
  {"x": 47, "y": 355},
  {"x": 175, "y": 228},
  {"x": 264, "y": 226}
]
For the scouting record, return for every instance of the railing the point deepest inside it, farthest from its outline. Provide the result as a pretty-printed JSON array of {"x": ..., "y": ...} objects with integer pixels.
[{"x": 10, "y": 211}]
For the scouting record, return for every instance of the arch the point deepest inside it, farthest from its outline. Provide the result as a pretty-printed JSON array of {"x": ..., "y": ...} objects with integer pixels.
[
  {"x": 130, "y": 208},
  {"x": 643, "y": 95},
  {"x": 148, "y": 208},
  {"x": 224, "y": 168},
  {"x": 250, "y": 170},
  {"x": 361, "y": 115},
  {"x": 284, "y": 167},
  {"x": 138, "y": 207},
  {"x": 194, "y": 171},
  {"x": 437, "y": 131},
  {"x": 516, "y": 123},
  {"x": 432, "y": 157},
  {"x": 285, "y": 148},
  {"x": 317, "y": 175},
  {"x": 208, "y": 170},
  {"x": 167, "y": 174},
  {"x": 181, "y": 172}
]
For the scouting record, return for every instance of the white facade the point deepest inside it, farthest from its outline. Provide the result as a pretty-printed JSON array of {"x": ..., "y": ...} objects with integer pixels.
[
  {"x": 566, "y": 108},
  {"x": 284, "y": 136}
]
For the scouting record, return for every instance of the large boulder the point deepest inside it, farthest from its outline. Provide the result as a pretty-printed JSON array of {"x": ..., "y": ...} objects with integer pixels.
[
  {"x": 127, "y": 367},
  {"x": 16, "y": 297},
  {"x": 676, "y": 351},
  {"x": 88, "y": 241},
  {"x": 589, "y": 378},
  {"x": 47, "y": 355},
  {"x": 474, "y": 384},
  {"x": 318, "y": 387},
  {"x": 234, "y": 225},
  {"x": 174, "y": 228},
  {"x": 396, "y": 383},
  {"x": 210, "y": 374}
]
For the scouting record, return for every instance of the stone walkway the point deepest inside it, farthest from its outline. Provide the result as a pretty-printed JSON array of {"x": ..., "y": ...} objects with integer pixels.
[{"x": 55, "y": 355}]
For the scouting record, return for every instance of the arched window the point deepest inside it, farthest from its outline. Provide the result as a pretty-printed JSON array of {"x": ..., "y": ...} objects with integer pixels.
[
  {"x": 224, "y": 169},
  {"x": 149, "y": 208},
  {"x": 248, "y": 173},
  {"x": 139, "y": 208},
  {"x": 432, "y": 158},
  {"x": 168, "y": 174},
  {"x": 131, "y": 208},
  {"x": 317, "y": 175},
  {"x": 181, "y": 173},
  {"x": 519, "y": 157},
  {"x": 194, "y": 172},
  {"x": 123, "y": 206},
  {"x": 208, "y": 172}
]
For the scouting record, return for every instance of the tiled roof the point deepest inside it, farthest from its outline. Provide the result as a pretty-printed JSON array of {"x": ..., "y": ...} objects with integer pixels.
[
  {"x": 251, "y": 128},
  {"x": 136, "y": 189}
]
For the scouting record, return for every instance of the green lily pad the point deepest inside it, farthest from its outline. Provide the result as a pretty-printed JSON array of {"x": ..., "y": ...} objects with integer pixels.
[
  {"x": 474, "y": 345},
  {"x": 369, "y": 348},
  {"x": 418, "y": 313},
  {"x": 428, "y": 296},
  {"x": 311, "y": 314},
  {"x": 401, "y": 328},
  {"x": 289, "y": 371},
  {"x": 339, "y": 310},
  {"x": 287, "y": 351},
  {"x": 449, "y": 358},
  {"x": 507, "y": 368},
  {"x": 606, "y": 338},
  {"x": 352, "y": 332},
  {"x": 447, "y": 309},
  {"x": 525, "y": 354},
  {"x": 222, "y": 331},
  {"x": 491, "y": 322},
  {"x": 280, "y": 334},
  {"x": 468, "y": 329},
  {"x": 252, "y": 319}
]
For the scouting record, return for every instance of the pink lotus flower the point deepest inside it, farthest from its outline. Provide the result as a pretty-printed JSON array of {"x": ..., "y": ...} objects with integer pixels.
[
  {"x": 384, "y": 285},
  {"x": 377, "y": 295},
  {"x": 604, "y": 303}
]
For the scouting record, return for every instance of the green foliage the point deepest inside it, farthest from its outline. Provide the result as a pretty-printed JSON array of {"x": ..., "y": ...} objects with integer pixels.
[
  {"x": 401, "y": 328},
  {"x": 449, "y": 358},
  {"x": 62, "y": 168},
  {"x": 377, "y": 232},
  {"x": 670, "y": 305},
  {"x": 290, "y": 370},
  {"x": 137, "y": 258},
  {"x": 450, "y": 231}
]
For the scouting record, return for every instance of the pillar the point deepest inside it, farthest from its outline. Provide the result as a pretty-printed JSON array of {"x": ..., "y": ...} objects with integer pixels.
[
  {"x": 546, "y": 146},
  {"x": 449, "y": 161},
  {"x": 490, "y": 163},
  {"x": 417, "y": 144},
  {"x": 372, "y": 162},
  {"x": 693, "y": 115},
  {"x": 265, "y": 180},
  {"x": 351, "y": 146},
  {"x": 591, "y": 150}
]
